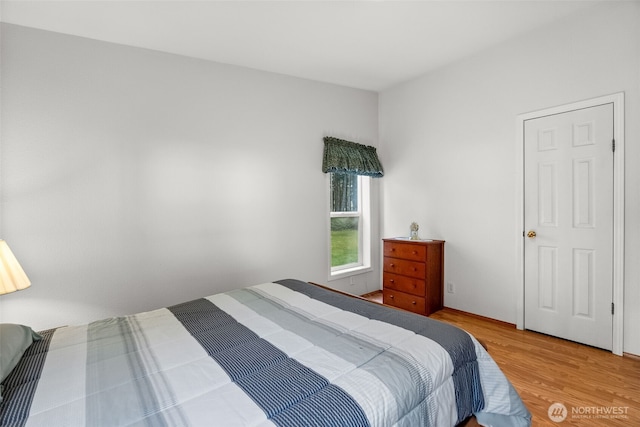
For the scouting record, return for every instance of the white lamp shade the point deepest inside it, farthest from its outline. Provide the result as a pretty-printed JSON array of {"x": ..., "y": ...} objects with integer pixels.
[{"x": 12, "y": 276}]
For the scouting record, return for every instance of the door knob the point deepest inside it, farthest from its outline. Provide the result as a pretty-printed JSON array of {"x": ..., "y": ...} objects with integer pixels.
[{"x": 531, "y": 234}]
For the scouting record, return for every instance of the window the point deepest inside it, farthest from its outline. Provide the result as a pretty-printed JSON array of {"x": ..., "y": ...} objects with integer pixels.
[
  {"x": 349, "y": 219},
  {"x": 350, "y": 167}
]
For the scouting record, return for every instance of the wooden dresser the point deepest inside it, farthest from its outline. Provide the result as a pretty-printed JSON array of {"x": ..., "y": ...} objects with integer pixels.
[{"x": 413, "y": 274}]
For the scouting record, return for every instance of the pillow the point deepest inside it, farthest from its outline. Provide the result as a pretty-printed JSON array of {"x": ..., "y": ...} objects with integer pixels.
[{"x": 14, "y": 340}]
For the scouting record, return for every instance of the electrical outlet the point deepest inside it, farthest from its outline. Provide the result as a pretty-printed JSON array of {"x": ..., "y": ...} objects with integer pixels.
[
  {"x": 351, "y": 281},
  {"x": 450, "y": 287}
]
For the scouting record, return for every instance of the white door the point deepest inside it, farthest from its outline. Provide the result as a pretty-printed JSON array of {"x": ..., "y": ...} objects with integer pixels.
[{"x": 568, "y": 218}]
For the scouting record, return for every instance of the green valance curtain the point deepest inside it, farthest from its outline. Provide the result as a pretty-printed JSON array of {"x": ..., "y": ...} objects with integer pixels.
[{"x": 346, "y": 157}]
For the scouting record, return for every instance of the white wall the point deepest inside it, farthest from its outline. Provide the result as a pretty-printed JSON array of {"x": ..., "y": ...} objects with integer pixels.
[
  {"x": 448, "y": 140},
  {"x": 134, "y": 179}
]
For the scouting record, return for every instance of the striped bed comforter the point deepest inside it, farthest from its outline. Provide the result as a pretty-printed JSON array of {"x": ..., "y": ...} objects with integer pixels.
[{"x": 285, "y": 353}]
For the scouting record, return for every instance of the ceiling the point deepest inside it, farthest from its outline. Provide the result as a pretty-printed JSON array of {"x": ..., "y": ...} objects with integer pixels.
[{"x": 370, "y": 45}]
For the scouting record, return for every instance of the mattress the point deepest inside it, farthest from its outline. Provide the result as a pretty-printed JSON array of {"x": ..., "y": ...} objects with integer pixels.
[{"x": 286, "y": 353}]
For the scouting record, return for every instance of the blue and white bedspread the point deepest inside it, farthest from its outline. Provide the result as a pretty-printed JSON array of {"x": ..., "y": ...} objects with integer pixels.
[{"x": 285, "y": 354}]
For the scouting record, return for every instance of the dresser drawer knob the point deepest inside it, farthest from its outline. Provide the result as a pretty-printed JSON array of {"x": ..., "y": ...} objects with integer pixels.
[
  {"x": 413, "y": 302},
  {"x": 391, "y": 296},
  {"x": 392, "y": 265},
  {"x": 415, "y": 252},
  {"x": 392, "y": 281}
]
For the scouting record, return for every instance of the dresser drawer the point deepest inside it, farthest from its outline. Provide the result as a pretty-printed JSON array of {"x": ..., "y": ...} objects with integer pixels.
[
  {"x": 404, "y": 267},
  {"x": 404, "y": 284},
  {"x": 405, "y": 251},
  {"x": 404, "y": 301}
]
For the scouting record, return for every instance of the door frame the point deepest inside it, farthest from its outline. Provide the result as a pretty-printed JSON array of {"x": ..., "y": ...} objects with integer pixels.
[{"x": 617, "y": 100}]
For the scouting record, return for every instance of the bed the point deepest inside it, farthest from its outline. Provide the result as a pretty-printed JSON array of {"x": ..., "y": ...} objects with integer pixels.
[{"x": 287, "y": 353}]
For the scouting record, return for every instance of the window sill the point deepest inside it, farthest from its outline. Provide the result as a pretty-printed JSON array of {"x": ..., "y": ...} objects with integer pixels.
[{"x": 347, "y": 272}]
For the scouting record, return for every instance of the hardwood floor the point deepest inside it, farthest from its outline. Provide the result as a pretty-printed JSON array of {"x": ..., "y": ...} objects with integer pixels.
[{"x": 597, "y": 387}]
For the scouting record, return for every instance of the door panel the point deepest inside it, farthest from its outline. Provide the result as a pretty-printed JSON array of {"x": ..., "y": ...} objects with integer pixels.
[
  {"x": 568, "y": 164},
  {"x": 547, "y": 277}
]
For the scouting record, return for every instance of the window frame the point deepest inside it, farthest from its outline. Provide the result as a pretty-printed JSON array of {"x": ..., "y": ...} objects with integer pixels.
[{"x": 364, "y": 231}]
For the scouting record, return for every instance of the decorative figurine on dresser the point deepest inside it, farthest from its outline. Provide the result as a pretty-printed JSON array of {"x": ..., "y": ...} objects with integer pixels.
[{"x": 413, "y": 274}]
